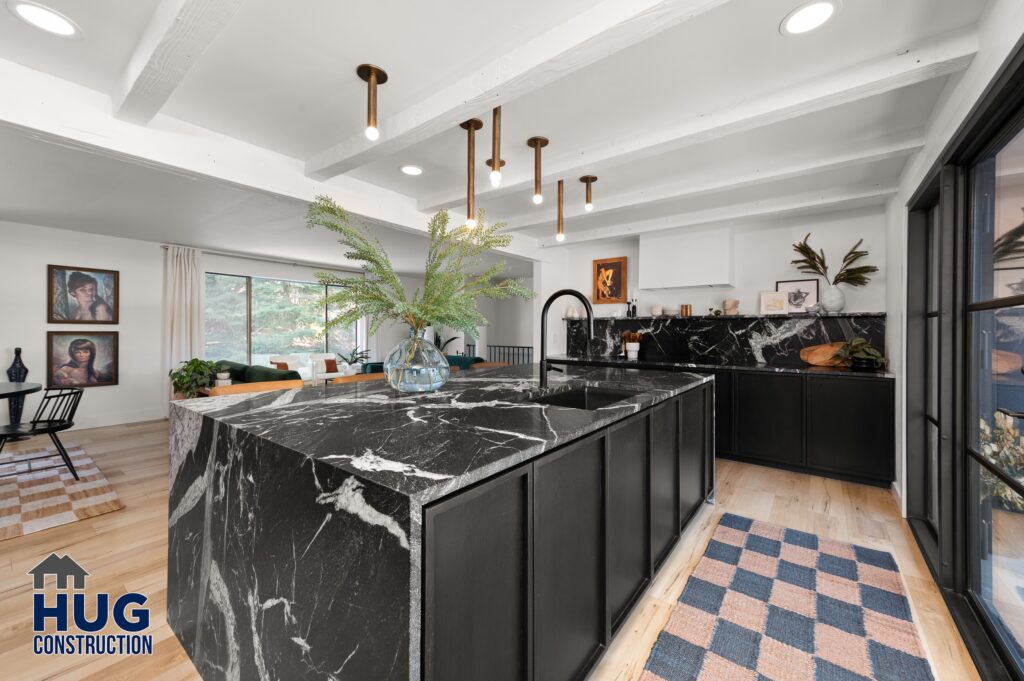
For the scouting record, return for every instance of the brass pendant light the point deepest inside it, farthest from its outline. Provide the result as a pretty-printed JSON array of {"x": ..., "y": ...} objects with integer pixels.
[
  {"x": 537, "y": 143},
  {"x": 471, "y": 126},
  {"x": 589, "y": 180},
  {"x": 495, "y": 162},
  {"x": 560, "y": 233},
  {"x": 374, "y": 76}
]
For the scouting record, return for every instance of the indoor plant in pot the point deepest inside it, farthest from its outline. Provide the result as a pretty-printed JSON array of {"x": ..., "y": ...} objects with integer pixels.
[
  {"x": 448, "y": 296},
  {"x": 860, "y": 355},
  {"x": 191, "y": 376},
  {"x": 813, "y": 262}
]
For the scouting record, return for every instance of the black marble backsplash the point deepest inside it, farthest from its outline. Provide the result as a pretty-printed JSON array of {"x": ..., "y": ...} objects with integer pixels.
[{"x": 726, "y": 340}]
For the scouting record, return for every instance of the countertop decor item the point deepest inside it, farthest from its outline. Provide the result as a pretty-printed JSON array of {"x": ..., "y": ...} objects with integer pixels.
[
  {"x": 801, "y": 294},
  {"x": 447, "y": 298},
  {"x": 813, "y": 262},
  {"x": 773, "y": 302},
  {"x": 610, "y": 281},
  {"x": 192, "y": 375},
  {"x": 685, "y": 310},
  {"x": 657, "y": 310},
  {"x": 823, "y": 355},
  {"x": 731, "y": 307},
  {"x": 860, "y": 355}
]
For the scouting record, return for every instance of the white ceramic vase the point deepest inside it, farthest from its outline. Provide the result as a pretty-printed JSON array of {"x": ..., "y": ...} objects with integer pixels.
[
  {"x": 632, "y": 350},
  {"x": 832, "y": 299}
]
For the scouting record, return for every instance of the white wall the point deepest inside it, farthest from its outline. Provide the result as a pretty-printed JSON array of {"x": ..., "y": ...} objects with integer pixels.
[
  {"x": 27, "y": 250},
  {"x": 1001, "y": 26},
  {"x": 762, "y": 255},
  {"x": 512, "y": 320}
]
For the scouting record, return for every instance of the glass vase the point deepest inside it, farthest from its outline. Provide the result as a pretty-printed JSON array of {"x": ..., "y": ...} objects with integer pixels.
[{"x": 416, "y": 365}]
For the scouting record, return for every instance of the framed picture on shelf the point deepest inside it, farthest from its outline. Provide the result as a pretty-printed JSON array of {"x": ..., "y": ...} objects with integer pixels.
[
  {"x": 800, "y": 293},
  {"x": 774, "y": 302},
  {"x": 81, "y": 295},
  {"x": 81, "y": 360},
  {"x": 609, "y": 281}
]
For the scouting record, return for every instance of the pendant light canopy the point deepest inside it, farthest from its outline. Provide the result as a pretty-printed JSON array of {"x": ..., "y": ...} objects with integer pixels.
[
  {"x": 537, "y": 143},
  {"x": 374, "y": 76},
  {"x": 495, "y": 162},
  {"x": 589, "y": 180},
  {"x": 471, "y": 126},
  {"x": 560, "y": 233}
]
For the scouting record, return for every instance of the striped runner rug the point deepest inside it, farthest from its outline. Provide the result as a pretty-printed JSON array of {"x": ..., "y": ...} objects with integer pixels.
[
  {"x": 32, "y": 499},
  {"x": 767, "y": 603}
]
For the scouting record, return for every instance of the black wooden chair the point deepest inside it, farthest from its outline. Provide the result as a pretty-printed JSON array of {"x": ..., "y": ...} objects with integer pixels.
[{"x": 56, "y": 412}]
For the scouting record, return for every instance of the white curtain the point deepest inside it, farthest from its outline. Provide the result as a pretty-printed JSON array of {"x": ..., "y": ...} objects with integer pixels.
[{"x": 183, "y": 305}]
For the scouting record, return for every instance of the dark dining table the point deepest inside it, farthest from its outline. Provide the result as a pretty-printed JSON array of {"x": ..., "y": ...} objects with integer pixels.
[{"x": 16, "y": 393}]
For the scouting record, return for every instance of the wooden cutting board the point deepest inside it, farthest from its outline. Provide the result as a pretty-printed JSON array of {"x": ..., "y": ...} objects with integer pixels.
[{"x": 821, "y": 355}]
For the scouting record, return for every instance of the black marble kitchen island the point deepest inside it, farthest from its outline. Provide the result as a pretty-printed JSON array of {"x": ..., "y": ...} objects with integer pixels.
[{"x": 351, "y": 532}]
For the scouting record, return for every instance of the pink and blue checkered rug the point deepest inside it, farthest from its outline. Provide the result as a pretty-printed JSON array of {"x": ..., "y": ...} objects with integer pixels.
[{"x": 767, "y": 603}]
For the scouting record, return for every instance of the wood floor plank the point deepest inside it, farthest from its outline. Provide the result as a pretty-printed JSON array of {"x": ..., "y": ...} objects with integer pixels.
[{"x": 127, "y": 551}]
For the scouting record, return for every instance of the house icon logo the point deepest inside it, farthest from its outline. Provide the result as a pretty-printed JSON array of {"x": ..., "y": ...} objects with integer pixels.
[{"x": 63, "y": 568}]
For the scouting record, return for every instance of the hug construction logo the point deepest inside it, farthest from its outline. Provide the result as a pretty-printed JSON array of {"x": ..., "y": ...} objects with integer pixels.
[{"x": 68, "y": 606}]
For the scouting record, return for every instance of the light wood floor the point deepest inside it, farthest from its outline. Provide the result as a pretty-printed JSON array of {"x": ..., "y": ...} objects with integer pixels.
[{"x": 126, "y": 551}]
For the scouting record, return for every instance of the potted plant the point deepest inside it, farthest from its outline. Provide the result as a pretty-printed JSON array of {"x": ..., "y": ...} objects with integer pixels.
[
  {"x": 860, "y": 355},
  {"x": 354, "y": 359},
  {"x": 448, "y": 297},
  {"x": 192, "y": 375},
  {"x": 813, "y": 262}
]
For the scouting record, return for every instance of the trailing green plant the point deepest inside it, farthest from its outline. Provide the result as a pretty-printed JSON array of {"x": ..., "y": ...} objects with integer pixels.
[
  {"x": 192, "y": 375},
  {"x": 1002, "y": 445},
  {"x": 859, "y": 348},
  {"x": 355, "y": 356},
  {"x": 813, "y": 262},
  {"x": 449, "y": 293},
  {"x": 442, "y": 345}
]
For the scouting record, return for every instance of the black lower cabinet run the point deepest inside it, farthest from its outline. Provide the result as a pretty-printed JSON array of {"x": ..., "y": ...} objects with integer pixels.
[
  {"x": 526, "y": 576},
  {"x": 568, "y": 560},
  {"x": 769, "y": 417}
]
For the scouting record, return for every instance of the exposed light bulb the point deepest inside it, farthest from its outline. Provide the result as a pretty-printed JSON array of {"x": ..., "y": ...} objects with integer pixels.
[
  {"x": 538, "y": 199},
  {"x": 560, "y": 237},
  {"x": 588, "y": 207},
  {"x": 372, "y": 133},
  {"x": 495, "y": 178},
  {"x": 471, "y": 223}
]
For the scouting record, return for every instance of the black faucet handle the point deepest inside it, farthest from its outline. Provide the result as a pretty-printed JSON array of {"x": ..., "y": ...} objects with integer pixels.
[{"x": 552, "y": 367}]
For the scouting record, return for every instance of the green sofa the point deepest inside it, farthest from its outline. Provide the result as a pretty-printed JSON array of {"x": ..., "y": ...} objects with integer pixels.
[{"x": 245, "y": 373}]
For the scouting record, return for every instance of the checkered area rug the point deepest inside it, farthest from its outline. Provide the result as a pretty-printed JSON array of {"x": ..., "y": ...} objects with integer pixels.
[
  {"x": 767, "y": 603},
  {"x": 32, "y": 499}
]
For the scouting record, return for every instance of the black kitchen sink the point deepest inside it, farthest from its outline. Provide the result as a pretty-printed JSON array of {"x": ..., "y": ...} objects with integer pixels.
[{"x": 586, "y": 398}]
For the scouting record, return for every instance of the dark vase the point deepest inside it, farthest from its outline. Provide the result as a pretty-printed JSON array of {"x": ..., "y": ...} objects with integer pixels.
[
  {"x": 17, "y": 373},
  {"x": 863, "y": 364}
]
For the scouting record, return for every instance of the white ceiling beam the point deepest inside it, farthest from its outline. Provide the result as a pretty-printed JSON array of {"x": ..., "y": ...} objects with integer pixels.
[
  {"x": 602, "y": 30},
  {"x": 849, "y": 157},
  {"x": 776, "y": 207},
  {"x": 950, "y": 54},
  {"x": 177, "y": 35}
]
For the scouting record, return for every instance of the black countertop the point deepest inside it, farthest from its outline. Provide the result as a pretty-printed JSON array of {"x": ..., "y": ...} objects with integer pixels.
[
  {"x": 427, "y": 445},
  {"x": 667, "y": 365}
]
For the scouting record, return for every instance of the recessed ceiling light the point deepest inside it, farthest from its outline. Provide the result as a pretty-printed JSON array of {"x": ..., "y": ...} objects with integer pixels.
[
  {"x": 809, "y": 16},
  {"x": 412, "y": 170},
  {"x": 43, "y": 18}
]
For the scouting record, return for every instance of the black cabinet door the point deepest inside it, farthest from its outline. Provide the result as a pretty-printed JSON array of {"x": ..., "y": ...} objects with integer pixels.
[
  {"x": 665, "y": 520},
  {"x": 723, "y": 411},
  {"x": 476, "y": 574},
  {"x": 769, "y": 410},
  {"x": 629, "y": 552},
  {"x": 568, "y": 561},
  {"x": 693, "y": 451},
  {"x": 850, "y": 426}
]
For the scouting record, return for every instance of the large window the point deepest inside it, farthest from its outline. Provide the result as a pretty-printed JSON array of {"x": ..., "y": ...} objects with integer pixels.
[{"x": 249, "y": 319}]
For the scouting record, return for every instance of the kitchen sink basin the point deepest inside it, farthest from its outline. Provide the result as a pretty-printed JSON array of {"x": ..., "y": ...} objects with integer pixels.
[{"x": 586, "y": 398}]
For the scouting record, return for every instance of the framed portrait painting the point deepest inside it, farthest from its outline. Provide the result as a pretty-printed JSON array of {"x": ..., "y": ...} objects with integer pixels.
[
  {"x": 81, "y": 360},
  {"x": 81, "y": 295},
  {"x": 800, "y": 293},
  {"x": 609, "y": 281}
]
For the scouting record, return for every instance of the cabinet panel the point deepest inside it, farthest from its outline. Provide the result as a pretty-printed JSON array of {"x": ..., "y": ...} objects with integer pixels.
[
  {"x": 722, "y": 409},
  {"x": 569, "y": 560},
  {"x": 693, "y": 451},
  {"x": 769, "y": 417},
  {"x": 628, "y": 541},
  {"x": 476, "y": 607},
  {"x": 849, "y": 426},
  {"x": 665, "y": 519}
]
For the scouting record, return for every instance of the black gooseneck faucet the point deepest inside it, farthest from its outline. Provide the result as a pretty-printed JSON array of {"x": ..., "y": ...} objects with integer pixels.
[{"x": 544, "y": 368}]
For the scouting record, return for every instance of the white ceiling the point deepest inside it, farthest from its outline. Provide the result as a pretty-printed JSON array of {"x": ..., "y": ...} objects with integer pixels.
[{"x": 280, "y": 75}]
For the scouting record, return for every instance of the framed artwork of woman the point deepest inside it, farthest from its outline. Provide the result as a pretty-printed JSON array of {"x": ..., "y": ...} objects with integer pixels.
[
  {"x": 81, "y": 360},
  {"x": 82, "y": 295}
]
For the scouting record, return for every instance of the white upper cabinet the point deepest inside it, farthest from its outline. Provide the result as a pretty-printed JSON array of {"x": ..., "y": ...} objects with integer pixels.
[{"x": 686, "y": 259}]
